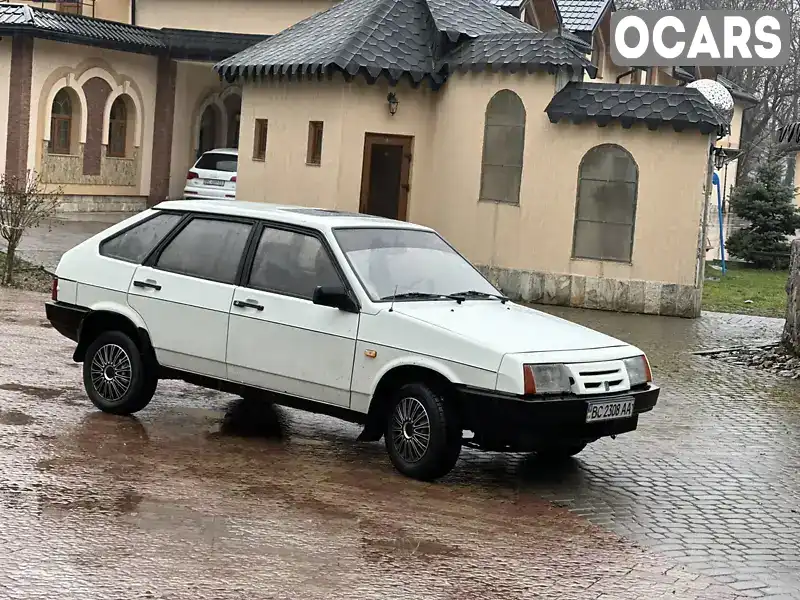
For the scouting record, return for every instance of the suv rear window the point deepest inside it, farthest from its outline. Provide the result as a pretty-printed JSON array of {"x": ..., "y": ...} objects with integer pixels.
[
  {"x": 218, "y": 162},
  {"x": 136, "y": 243}
]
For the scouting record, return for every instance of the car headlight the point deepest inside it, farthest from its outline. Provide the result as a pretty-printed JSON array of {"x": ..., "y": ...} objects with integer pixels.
[
  {"x": 638, "y": 370},
  {"x": 546, "y": 379}
]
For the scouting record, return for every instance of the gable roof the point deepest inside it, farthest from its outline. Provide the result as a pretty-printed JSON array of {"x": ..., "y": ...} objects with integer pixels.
[
  {"x": 416, "y": 39},
  {"x": 654, "y": 105},
  {"x": 582, "y": 15}
]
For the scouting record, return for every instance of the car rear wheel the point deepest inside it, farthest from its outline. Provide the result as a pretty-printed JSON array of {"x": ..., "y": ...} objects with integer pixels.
[
  {"x": 116, "y": 378},
  {"x": 423, "y": 434}
]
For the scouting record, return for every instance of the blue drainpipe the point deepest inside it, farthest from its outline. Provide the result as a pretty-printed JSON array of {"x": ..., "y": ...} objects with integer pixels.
[{"x": 715, "y": 181}]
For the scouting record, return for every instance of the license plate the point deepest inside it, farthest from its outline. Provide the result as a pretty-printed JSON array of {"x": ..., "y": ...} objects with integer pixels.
[
  {"x": 604, "y": 411},
  {"x": 216, "y": 182}
]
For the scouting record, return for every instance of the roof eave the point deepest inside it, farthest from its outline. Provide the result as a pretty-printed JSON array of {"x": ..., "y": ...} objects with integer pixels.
[{"x": 71, "y": 38}]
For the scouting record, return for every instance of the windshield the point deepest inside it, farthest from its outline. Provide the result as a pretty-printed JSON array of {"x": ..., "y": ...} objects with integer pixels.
[{"x": 398, "y": 262}]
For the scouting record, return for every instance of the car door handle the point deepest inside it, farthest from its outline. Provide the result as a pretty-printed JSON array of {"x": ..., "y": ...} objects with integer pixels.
[
  {"x": 149, "y": 283},
  {"x": 247, "y": 304}
]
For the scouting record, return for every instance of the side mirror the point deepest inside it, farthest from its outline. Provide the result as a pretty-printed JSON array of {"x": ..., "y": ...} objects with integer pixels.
[{"x": 335, "y": 297}]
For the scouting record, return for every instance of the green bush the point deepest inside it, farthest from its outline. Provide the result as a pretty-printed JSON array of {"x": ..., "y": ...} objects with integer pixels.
[{"x": 767, "y": 203}]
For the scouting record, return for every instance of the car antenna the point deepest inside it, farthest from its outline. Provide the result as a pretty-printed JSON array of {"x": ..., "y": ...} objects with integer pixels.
[{"x": 391, "y": 306}]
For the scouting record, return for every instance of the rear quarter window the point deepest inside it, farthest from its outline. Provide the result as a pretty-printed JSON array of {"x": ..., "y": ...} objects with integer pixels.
[
  {"x": 134, "y": 244},
  {"x": 217, "y": 162}
]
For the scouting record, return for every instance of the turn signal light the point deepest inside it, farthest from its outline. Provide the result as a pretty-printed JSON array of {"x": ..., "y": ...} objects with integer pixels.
[
  {"x": 192, "y": 175},
  {"x": 233, "y": 179},
  {"x": 54, "y": 290}
]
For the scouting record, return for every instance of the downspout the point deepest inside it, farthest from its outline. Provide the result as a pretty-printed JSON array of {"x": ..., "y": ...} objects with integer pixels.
[
  {"x": 701, "y": 245},
  {"x": 133, "y": 12}
]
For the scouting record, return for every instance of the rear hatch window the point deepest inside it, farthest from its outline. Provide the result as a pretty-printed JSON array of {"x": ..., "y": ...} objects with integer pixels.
[{"x": 217, "y": 162}]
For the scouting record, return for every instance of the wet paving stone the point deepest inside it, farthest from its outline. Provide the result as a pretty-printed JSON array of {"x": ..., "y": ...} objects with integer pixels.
[{"x": 187, "y": 500}]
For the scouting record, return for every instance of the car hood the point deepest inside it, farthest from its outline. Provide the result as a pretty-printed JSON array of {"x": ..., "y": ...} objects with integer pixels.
[{"x": 508, "y": 327}]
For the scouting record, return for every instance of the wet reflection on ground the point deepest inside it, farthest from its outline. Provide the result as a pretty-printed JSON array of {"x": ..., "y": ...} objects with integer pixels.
[{"x": 204, "y": 495}]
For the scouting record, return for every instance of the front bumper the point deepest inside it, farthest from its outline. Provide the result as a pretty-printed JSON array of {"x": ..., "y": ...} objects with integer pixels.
[
  {"x": 508, "y": 422},
  {"x": 65, "y": 318}
]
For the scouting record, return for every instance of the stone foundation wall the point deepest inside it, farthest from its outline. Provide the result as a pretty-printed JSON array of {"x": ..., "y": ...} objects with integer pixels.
[
  {"x": 69, "y": 169},
  {"x": 73, "y": 203},
  {"x": 647, "y": 297}
]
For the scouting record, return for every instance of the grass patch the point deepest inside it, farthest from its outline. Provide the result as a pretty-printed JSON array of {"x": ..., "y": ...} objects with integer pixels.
[
  {"x": 766, "y": 289},
  {"x": 27, "y": 276}
]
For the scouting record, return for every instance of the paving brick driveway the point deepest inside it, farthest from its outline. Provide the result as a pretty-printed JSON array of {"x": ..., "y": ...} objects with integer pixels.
[{"x": 702, "y": 501}]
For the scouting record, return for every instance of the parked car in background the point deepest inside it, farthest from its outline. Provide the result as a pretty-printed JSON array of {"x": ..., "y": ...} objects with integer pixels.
[
  {"x": 213, "y": 176},
  {"x": 375, "y": 321}
]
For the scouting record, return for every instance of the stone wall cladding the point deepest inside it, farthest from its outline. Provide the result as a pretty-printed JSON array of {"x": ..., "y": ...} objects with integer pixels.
[
  {"x": 71, "y": 169},
  {"x": 647, "y": 297},
  {"x": 74, "y": 203},
  {"x": 97, "y": 91},
  {"x": 19, "y": 105},
  {"x": 162, "y": 140}
]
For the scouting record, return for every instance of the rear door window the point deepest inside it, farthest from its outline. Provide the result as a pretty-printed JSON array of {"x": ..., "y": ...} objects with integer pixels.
[
  {"x": 206, "y": 248},
  {"x": 213, "y": 161},
  {"x": 136, "y": 243}
]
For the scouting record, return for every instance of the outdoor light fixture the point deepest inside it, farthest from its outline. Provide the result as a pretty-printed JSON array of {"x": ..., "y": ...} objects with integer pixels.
[
  {"x": 393, "y": 102},
  {"x": 722, "y": 156}
]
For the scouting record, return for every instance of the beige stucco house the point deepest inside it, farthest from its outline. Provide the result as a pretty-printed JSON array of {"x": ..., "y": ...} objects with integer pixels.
[{"x": 506, "y": 127}]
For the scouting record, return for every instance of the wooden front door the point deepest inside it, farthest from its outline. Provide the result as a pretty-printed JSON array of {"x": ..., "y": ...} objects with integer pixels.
[{"x": 385, "y": 175}]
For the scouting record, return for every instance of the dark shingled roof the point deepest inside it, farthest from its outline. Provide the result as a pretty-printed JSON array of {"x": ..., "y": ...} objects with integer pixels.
[
  {"x": 515, "y": 52},
  {"x": 508, "y": 3},
  {"x": 581, "y": 15},
  {"x": 417, "y": 39},
  {"x": 77, "y": 29},
  {"x": 63, "y": 27},
  {"x": 655, "y": 105}
]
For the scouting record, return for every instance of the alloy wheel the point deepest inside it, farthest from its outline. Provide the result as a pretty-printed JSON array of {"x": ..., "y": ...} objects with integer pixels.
[
  {"x": 410, "y": 429},
  {"x": 111, "y": 372}
]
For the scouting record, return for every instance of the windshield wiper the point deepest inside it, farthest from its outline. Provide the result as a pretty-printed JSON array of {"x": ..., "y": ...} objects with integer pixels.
[
  {"x": 411, "y": 295},
  {"x": 461, "y": 296}
]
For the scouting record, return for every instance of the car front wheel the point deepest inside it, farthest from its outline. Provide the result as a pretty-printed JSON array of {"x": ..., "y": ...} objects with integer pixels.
[
  {"x": 423, "y": 435},
  {"x": 116, "y": 378}
]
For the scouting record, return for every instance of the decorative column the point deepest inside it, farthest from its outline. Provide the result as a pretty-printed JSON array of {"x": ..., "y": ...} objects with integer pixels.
[
  {"x": 19, "y": 106},
  {"x": 162, "y": 130}
]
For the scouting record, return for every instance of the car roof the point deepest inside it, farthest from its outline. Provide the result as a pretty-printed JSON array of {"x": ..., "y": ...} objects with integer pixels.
[
  {"x": 234, "y": 151},
  {"x": 318, "y": 218}
]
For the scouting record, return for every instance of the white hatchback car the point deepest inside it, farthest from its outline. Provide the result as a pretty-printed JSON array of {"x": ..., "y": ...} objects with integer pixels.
[
  {"x": 375, "y": 321},
  {"x": 213, "y": 176}
]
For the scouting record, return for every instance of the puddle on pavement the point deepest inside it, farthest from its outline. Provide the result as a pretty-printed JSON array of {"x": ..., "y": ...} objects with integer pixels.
[
  {"x": 43, "y": 393},
  {"x": 15, "y": 417},
  {"x": 406, "y": 548},
  {"x": 67, "y": 499}
]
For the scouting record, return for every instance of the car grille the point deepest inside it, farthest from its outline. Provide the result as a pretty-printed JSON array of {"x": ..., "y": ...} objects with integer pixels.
[{"x": 599, "y": 377}]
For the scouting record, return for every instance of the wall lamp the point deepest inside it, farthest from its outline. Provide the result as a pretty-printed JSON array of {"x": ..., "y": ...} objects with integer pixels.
[{"x": 393, "y": 102}]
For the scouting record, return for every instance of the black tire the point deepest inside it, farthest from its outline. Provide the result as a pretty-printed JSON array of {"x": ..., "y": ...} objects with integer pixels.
[
  {"x": 439, "y": 455},
  {"x": 111, "y": 391},
  {"x": 556, "y": 452}
]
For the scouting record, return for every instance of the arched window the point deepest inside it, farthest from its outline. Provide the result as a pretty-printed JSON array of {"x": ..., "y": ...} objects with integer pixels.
[
  {"x": 606, "y": 206},
  {"x": 118, "y": 129},
  {"x": 61, "y": 123},
  {"x": 503, "y": 147}
]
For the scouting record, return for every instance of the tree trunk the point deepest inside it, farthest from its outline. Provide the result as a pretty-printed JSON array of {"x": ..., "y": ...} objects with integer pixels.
[
  {"x": 8, "y": 275},
  {"x": 791, "y": 330}
]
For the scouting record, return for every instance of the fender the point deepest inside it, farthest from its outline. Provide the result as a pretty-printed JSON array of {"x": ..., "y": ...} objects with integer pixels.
[
  {"x": 116, "y": 309},
  {"x": 426, "y": 362}
]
